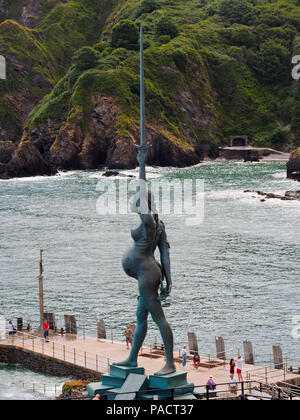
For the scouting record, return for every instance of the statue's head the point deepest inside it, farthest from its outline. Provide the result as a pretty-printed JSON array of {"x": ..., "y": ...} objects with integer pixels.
[{"x": 135, "y": 203}]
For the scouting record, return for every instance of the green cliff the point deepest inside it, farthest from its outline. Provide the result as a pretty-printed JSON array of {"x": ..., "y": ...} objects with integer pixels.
[{"x": 213, "y": 69}]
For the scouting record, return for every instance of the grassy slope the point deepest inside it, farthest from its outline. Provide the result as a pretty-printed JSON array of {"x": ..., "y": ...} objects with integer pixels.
[
  {"x": 45, "y": 51},
  {"x": 219, "y": 77}
]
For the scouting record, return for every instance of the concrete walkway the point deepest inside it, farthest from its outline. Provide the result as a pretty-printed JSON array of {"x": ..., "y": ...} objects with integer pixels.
[{"x": 98, "y": 355}]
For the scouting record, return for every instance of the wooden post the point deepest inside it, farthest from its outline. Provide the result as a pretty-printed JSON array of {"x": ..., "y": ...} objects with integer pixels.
[
  {"x": 85, "y": 359},
  {"x": 41, "y": 290},
  {"x": 64, "y": 350},
  {"x": 53, "y": 348},
  {"x": 97, "y": 363},
  {"x": 266, "y": 374}
]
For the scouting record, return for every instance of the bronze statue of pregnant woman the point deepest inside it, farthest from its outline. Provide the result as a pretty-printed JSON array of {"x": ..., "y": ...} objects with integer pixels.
[{"x": 139, "y": 262}]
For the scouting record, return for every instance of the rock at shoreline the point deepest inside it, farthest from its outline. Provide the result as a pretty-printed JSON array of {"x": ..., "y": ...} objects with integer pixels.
[
  {"x": 293, "y": 194},
  {"x": 289, "y": 195},
  {"x": 293, "y": 166},
  {"x": 25, "y": 161}
]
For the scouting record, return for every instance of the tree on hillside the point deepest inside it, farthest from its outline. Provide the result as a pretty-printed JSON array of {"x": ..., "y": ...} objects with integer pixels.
[
  {"x": 148, "y": 6},
  {"x": 85, "y": 58},
  {"x": 273, "y": 62},
  {"x": 235, "y": 10},
  {"x": 125, "y": 34},
  {"x": 166, "y": 26}
]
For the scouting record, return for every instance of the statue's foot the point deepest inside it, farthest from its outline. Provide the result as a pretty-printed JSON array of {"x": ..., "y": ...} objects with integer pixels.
[
  {"x": 126, "y": 363},
  {"x": 166, "y": 370}
]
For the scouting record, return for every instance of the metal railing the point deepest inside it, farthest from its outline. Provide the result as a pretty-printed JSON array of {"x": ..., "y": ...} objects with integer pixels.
[
  {"x": 245, "y": 390},
  {"x": 60, "y": 351}
]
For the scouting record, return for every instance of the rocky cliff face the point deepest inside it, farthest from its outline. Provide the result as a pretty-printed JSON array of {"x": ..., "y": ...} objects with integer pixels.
[{"x": 293, "y": 166}]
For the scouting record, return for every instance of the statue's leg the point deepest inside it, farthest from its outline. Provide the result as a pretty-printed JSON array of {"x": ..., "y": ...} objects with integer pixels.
[
  {"x": 154, "y": 307},
  {"x": 139, "y": 335}
]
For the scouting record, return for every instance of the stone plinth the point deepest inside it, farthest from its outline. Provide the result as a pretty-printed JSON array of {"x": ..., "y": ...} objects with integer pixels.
[
  {"x": 278, "y": 358},
  {"x": 122, "y": 371},
  {"x": 248, "y": 351},
  {"x": 70, "y": 324},
  {"x": 193, "y": 342},
  {"x": 220, "y": 347},
  {"x": 168, "y": 381}
]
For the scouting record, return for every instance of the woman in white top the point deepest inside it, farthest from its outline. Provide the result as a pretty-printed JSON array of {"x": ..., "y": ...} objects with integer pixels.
[
  {"x": 10, "y": 328},
  {"x": 239, "y": 367}
]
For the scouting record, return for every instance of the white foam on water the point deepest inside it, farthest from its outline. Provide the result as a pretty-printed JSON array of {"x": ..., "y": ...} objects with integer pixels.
[
  {"x": 279, "y": 175},
  {"x": 250, "y": 198}
]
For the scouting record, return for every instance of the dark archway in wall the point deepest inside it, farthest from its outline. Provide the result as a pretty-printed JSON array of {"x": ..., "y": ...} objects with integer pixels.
[{"x": 239, "y": 141}]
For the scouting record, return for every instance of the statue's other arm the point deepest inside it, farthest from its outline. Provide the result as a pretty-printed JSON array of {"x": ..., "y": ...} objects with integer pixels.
[{"x": 164, "y": 248}]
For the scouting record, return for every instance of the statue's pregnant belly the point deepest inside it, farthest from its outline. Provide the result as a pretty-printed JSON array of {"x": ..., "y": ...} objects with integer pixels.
[
  {"x": 131, "y": 263},
  {"x": 134, "y": 263}
]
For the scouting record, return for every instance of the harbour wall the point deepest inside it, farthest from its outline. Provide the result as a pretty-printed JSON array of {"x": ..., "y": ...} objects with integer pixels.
[{"x": 45, "y": 364}]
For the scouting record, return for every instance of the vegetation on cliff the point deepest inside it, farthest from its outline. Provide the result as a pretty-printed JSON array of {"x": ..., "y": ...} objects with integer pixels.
[{"x": 213, "y": 69}]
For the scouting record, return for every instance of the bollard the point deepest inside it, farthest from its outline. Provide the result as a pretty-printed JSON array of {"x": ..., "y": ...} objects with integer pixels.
[
  {"x": 97, "y": 363},
  {"x": 85, "y": 359},
  {"x": 74, "y": 356},
  {"x": 266, "y": 374},
  {"x": 33, "y": 344},
  {"x": 112, "y": 336},
  {"x": 209, "y": 361},
  {"x": 53, "y": 348},
  {"x": 84, "y": 332},
  {"x": 43, "y": 347},
  {"x": 64, "y": 352}
]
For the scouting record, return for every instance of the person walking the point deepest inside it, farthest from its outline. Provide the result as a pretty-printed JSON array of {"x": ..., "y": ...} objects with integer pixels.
[
  {"x": 196, "y": 360},
  {"x": 231, "y": 367},
  {"x": 184, "y": 356},
  {"x": 46, "y": 331},
  {"x": 129, "y": 335},
  {"x": 10, "y": 328},
  {"x": 239, "y": 367}
]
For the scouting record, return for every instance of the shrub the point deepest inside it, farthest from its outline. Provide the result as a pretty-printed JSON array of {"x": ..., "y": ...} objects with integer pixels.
[
  {"x": 234, "y": 10},
  {"x": 272, "y": 62},
  {"x": 180, "y": 59},
  {"x": 236, "y": 53},
  {"x": 125, "y": 34},
  {"x": 148, "y": 6},
  {"x": 166, "y": 26},
  {"x": 85, "y": 58}
]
